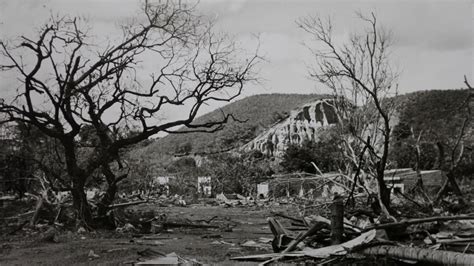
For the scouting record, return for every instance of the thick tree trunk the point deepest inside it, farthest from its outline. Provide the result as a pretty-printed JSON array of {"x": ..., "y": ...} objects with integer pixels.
[
  {"x": 107, "y": 199},
  {"x": 78, "y": 177},
  {"x": 384, "y": 191},
  {"x": 381, "y": 165},
  {"x": 111, "y": 191},
  {"x": 80, "y": 204},
  {"x": 428, "y": 256},
  {"x": 385, "y": 196}
]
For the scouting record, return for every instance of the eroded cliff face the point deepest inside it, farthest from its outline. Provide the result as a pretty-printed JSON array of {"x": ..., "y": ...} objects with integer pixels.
[{"x": 302, "y": 124}]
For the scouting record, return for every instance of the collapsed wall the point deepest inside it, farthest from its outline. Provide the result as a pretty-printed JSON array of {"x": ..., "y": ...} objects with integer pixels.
[{"x": 301, "y": 125}]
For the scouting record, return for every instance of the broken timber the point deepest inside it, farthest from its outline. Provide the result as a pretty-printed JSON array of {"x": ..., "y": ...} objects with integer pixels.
[
  {"x": 419, "y": 221},
  {"x": 172, "y": 225},
  {"x": 421, "y": 255},
  {"x": 337, "y": 220},
  {"x": 118, "y": 205},
  {"x": 406, "y": 253}
]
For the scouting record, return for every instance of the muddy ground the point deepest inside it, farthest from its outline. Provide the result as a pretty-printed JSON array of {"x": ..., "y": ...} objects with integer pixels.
[{"x": 237, "y": 225}]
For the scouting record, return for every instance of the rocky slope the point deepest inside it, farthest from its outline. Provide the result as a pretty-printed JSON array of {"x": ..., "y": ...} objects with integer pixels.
[
  {"x": 259, "y": 112},
  {"x": 302, "y": 124},
  {"x": 275, "y": 120}
]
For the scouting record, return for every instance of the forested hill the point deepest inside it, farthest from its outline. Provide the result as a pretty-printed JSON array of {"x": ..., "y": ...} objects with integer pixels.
[
  {"x": 259, "y": 113},
  {"x": 437, "y": 115},
  {"x": 426, "y": 108},
  {"x": 438, "y": 119},
  {"x": 430, "y": 111}
]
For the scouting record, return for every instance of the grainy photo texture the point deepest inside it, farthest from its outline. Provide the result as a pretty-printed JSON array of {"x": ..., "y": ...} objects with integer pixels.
[{"x": 161, "y": 132}]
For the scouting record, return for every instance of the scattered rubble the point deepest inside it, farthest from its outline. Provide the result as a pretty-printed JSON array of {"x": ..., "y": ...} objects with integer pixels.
[
  {"x": 51, "y": 235},
  {"x": 169, "y": 259},
  {"x": 92, "y": 255},
  {"x": 320, "y": 240},
  {"x": 322, "y": 231},
  {"x": 255, "y": 244}
]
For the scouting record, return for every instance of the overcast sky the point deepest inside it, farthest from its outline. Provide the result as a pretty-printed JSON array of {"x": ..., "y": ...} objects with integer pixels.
[{"x": 433, "y": 39}]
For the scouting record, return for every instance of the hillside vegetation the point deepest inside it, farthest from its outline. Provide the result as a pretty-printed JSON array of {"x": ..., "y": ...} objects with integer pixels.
[
  {"x": 438, "y": 115},
  {"x": 437, "y": 118},
  {"x": 259, "y": 112}
]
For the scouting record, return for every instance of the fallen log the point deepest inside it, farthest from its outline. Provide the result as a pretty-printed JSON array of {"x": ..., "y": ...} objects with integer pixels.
[
  {"x": 279, "y": 214},
  {"x": 421, "y": 255},
  {"x": 118, "y": 205},
  {"x": 267, "y": 256},
  {"x": 341, "y": 249},
  {"x": 208, "y": 220},
  {"x": 314, "y": 229},
  {"x": 319, "y": 253},
  {"x": 173, "y": 225},
  {"x": 146, "y": 242},
  {"x": 297, "y": 228},
  {"x": 419, "y": 221},
  {"x": 305, "y": 222},
  {"x": 293, "y": 244},
  {"x": 455, "y": 241}
]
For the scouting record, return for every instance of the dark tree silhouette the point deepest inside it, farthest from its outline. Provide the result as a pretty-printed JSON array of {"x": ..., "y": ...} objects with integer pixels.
[
  {"x": 69, "y": 85},
  {"x": 456, "y": 150},
  {"x": 358, "y": 72}
]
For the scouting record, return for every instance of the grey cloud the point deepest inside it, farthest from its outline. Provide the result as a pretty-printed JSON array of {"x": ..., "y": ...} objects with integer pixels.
[
  {"x": 431, "y": 36},
  {"x": 430, "y": 25}
]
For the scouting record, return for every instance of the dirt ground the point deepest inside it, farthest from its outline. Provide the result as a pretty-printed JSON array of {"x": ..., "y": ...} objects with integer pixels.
[{"x": 237, "y": 225}]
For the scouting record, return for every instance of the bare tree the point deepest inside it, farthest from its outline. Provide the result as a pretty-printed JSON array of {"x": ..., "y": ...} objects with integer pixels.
[
  {"x": 68, "y": 84},
  {"x": 360, "y": 76},
  {"x": 457, "y": 149}
]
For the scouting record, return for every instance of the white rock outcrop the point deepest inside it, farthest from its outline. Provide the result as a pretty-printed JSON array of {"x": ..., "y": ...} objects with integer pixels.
[{"x": 302, "y": 124}]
